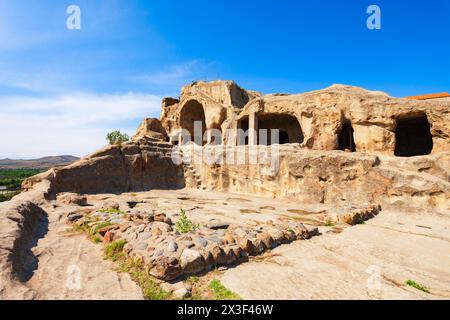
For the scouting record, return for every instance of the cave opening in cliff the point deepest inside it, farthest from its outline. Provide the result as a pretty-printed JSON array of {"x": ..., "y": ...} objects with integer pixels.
[
  {"x": 191, "y": 114},
  {"x": 413, "y": 136},
  {"x": 243, "y": 125},
  {"x": 346, "y": 140},
  {"x": 288, "y": 126}
]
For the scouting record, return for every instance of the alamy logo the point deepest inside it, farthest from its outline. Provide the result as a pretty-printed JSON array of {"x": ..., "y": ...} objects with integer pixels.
[
  {"x": 73, "y": 280},
  {"x": 373, "y": 283},
  {"x": 374, "y": 20},
  {"x": 251, "y": 147},
  {"x": 74, "y": 20}
]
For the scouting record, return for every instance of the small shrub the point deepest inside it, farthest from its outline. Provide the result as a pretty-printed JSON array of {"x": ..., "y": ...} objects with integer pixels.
[
  {"x": 184, "y": 225},
  {"x": 82, "y": 227},
  {"x": 222, "y": 293},
  {"x": 114, "y": 250},
  {"x": 417, "y": 286},
  {"x": 117, "y": 138}
]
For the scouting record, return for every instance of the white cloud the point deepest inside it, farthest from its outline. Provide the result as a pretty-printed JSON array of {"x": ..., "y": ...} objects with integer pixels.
[
  {"x": 179, "y": 75},
  {"x": 174, "y": 73},
  {"x": 71, "y": 124}
]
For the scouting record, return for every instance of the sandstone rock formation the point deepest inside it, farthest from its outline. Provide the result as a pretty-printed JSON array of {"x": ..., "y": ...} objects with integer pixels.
[
  {"x": 320, "y": 120},
  {"x": 374, "y": 117},
  {"x": 312, "y": 125},
  {"x": 340, "y": 117},
  {"x": 213, "y": 103},
  {"x": 354, "y": 150},
  {"x": 141, "y": 164}
]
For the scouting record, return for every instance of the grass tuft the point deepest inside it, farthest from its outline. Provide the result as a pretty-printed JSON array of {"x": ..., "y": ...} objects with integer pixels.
[
  {"x": 114, "y": 251},
  {"x": 222, "y": 293},
  {"x": 417, "y": 286},
  {"x": 98, "y": 227},
  {"x": 139, "y": 274}
]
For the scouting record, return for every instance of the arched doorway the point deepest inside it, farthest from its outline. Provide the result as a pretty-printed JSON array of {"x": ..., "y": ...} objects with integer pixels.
[
  {"x": 288, "y": 126},
  {"x": 193, "y": 112},
  {"x": 413, "y": 136},
  {"x": 346, "y": 140}
]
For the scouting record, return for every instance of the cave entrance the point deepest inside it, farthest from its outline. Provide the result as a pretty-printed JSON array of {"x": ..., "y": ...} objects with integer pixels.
[
  {"x": 284, "y": 137},
  {"x": 346, "y": 140},
  {"x": 413, "y": 136},
  {"x": 288, "y": 126},
  {"x": 193, "y": 112},
  {"x": 242, "y": 138}
]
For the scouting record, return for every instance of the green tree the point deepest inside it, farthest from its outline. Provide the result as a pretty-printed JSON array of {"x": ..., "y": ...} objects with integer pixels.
[{"x": 117, "y": 138}]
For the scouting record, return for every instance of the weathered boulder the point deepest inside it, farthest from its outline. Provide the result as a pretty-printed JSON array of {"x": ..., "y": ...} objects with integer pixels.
[
  {"x": 150, "y": 128},
  {"x": 19, "y": 222},
  {"x": 192, "y": 261},
  {"x": 166, "y": 268},
  {"x": 72, "y": 199}
]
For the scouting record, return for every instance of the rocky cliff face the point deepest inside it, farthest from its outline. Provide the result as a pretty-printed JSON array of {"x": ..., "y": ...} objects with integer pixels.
[
  {"x": 374, "y": 117},
  {"x": 338, "y": 178},
  {"x": 142, "y": 164},
  {"x": 309, "y": 176},
  {"x": 220, "y": 100}
]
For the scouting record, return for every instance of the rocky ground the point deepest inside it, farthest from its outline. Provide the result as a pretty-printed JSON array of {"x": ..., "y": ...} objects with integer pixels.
[
  {"x": 372, "y": 259},
  {"x": 183, "y": 233},
  {"x": 70, "y": 267}
]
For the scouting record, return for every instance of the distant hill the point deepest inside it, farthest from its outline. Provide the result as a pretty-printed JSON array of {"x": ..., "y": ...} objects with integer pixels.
[{"x": 42, "y": 163}]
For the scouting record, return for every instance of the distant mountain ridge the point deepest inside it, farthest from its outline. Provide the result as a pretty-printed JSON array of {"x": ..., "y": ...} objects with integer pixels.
[{"x": 41, "y": 163}]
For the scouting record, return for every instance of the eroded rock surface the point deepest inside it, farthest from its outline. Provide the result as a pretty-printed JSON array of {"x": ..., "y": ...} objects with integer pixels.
[
  {"x": 134, "y": 192},
  {"x": 370, "y": 261},
  {"x": 40, "y": 258},
  {"x": 141, "y": 164}
]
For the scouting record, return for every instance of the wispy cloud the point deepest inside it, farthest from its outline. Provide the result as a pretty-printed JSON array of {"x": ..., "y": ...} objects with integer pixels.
[
  {"x": 179, "y": 74},
  {"x": 173, "y": 74},
  {"x": 71, "y": 124},
  {"x": 46, "y": 72}
]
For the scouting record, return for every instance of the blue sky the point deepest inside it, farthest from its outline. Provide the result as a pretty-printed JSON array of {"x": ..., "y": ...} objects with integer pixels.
[{"x": 61, "y": 90}]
